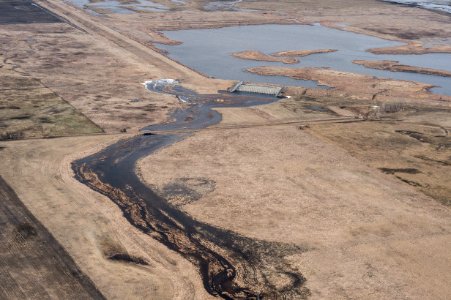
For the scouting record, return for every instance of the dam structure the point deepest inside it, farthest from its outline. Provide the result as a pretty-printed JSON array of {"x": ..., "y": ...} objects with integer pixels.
[{"x": 252, "y": 88}]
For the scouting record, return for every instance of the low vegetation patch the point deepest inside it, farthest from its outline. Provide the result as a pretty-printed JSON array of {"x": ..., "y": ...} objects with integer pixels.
[{"x": 28, "y": 109}]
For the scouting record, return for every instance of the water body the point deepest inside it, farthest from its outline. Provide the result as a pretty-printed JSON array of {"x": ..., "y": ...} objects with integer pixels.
[
  {"x": 437, "y": 5},
  {"x": 210, "y": 52},
  {"x": 119, "y": 7}
]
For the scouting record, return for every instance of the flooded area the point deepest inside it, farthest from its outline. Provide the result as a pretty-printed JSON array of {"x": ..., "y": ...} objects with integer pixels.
[
  {"x": 119, "y": 6},
  {"x": 209, "y": 51}
]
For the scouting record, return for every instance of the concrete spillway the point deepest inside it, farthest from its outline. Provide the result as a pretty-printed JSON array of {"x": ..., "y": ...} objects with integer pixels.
[{"x": 256, "y": 89}]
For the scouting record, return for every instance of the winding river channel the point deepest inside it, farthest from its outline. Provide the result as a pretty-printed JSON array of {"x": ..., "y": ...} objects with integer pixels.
[{"x": 232, "y": 266}]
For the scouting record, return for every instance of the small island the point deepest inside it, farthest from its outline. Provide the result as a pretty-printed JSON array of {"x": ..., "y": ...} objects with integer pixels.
[
  {"x": 260, "y": 56},
  {"x": 286, "y": 57},
  {"x": 302, "y": 53},
  {"x": 395, "y": 66},
  {"x": 411, "y": 48}
]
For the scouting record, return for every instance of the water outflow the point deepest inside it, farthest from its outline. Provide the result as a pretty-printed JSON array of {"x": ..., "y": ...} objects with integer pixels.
[
  {"x": 219, "y": 254},
  {"x": 199, "y": 111}
]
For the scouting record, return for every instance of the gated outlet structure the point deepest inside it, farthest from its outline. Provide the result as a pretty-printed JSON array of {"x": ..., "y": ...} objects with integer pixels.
[{"x": 256, "y": 89}]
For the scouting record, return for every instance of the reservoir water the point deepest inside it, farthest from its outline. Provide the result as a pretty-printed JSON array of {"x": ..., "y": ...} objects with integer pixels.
[
  {"x": 438, "y": 5},
  {"x": 209, "y": 51}
]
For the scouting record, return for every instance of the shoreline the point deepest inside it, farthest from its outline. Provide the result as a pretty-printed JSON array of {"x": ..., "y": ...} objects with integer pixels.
[
  {"x": 413, "y": 48},
  {"x": 395, "y": 66},
  {"x": 260, "y": 56}
]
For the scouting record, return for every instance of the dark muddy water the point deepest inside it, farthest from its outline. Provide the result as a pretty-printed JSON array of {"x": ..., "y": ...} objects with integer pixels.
[
  {"x": 255, "y": 260},
  {"x": 210, "y": 52}
]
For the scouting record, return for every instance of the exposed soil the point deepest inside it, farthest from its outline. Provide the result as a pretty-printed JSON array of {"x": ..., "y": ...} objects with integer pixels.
[
  {"x": 302, "y": 53},
  {"x": 286, "y": 57},
  {"x": 400, "y": 170},
  {"x": 124, "y": 257},
  {"x": 259, "y": 56},
  {"x": 360, "y": 86},
  {"x": 32, "y": 263},
  {"x": 412, "y": 48},
  {"x": 395, "y": 66}
]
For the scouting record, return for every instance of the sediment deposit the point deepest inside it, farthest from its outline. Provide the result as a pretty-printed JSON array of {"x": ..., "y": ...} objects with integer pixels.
[
  {"x": 301, "y": 53},
  {"x": 259, "y": 56},
  {"x": 395, "y": 66},
  {"x": 412, "y": 48}
]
